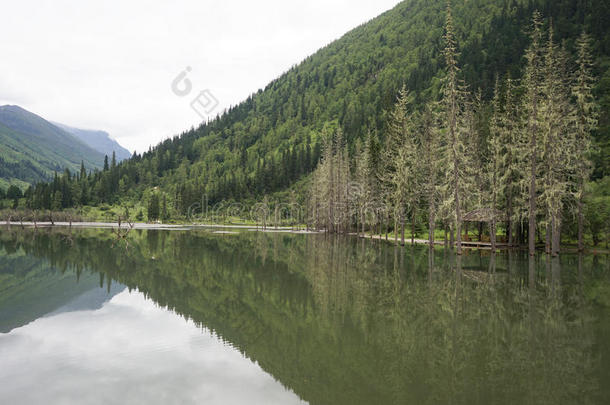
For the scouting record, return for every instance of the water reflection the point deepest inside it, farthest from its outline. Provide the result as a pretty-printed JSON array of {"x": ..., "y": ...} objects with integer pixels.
[
  {"x": 128, "y": 351},
  {"x": 340, "y": 320}
]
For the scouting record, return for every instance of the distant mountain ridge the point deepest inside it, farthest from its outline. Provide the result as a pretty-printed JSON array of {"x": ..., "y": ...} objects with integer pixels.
[
  {"x": 98, "y": 140},
  {"x": 33, "y": 148}
]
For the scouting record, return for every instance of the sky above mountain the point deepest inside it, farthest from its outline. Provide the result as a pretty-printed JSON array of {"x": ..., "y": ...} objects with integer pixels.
[{"x": 144, "y": 71}]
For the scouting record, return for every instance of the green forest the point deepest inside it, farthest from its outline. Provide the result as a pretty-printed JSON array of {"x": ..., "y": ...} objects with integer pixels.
[
  {"x": 32, "y": 149},
  {"x": 488, "y": 117}
]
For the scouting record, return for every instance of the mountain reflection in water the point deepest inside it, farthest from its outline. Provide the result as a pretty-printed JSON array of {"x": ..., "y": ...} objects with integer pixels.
[{"x": 274, "y": 318}]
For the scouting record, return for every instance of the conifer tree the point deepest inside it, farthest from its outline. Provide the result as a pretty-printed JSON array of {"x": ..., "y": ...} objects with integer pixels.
[
  {"x": 455, "y": 130},
  {"x": 556, "y": 125},
  {"x": 533, "y": 89},
  {"x": 367, "y": 169},
  {"x": 494, "y": 164},
  {"x": 399, "y": 174},
  {"x": 431, "y": 150},
  {"x": 585, "y": 123},
  {"x": 328, "y": 195},
  {"x": 511, "y": 171},
  {"x": 153, "y": 207}
]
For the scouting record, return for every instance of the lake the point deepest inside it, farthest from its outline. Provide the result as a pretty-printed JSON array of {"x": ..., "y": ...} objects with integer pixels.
[{"x": 276, "y": 318}]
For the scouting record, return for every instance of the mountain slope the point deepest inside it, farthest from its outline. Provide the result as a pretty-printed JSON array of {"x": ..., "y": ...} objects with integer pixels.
[
  {"x": 271, "y": 141},
  {"x": 98, "y": 140},
  {"x": 31, "y": 148},
  {"x": 354, "y": 80}
]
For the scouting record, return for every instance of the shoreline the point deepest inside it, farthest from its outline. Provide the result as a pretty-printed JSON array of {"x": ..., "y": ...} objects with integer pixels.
[
  {"x": 269, "y": 229},
  {"x": 476, "y": 245},
  {"x": 143, "y": 225}
]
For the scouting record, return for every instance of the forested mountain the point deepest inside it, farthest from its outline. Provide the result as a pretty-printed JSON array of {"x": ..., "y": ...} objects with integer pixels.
[
  {"x": 98, "y": 140},
  {"x": 32, "y": 287},
  {"x": 32, "y": 149},
  {"x": 274, "y": 138}
]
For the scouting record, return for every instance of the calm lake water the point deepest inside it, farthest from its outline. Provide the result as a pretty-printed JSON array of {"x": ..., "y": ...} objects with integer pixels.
[{"x": 196, "y": 317}]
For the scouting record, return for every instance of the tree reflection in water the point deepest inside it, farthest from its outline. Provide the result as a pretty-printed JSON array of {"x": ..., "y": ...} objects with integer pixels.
[{"x": 346, "y": 321}]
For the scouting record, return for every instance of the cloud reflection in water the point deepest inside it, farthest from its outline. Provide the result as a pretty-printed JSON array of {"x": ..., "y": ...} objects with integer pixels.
[{"x": 128, "y": 351}]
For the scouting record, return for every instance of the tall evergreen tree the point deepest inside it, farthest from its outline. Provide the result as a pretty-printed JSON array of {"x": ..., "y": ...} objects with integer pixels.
[
  {"x": 431, "y": 150},
  {"x": 586, "y": 122},
  {"x": 456, "y": 130},
  {"x": 396, "y": 171},
  {"x": 512, "y": 173},
  {"x": 533, "y": 93},
  {"x": 154, "y": 207},
  {"x": 494, "y": 164}
]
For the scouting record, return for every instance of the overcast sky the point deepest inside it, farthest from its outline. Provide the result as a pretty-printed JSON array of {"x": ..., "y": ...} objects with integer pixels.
[{"x": 110, "y": 64}]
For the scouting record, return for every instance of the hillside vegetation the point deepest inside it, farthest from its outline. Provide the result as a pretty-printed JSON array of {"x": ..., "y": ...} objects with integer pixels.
[
  {"x": 273, "y": 140},
  {"x": 32, "y": 149}
]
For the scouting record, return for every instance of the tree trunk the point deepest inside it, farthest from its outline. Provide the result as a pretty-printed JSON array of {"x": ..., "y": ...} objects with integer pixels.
[
  {"x": 532, "y": 192},
  {"x": 387, "y": 226},
  {"x": 451, "y": 237},
  {"x": 363, "y": 225},
  {"x": 413, "y": 227},
  {"x": 458, "y": 220},
  {"x": 548, "y": 236},
  {"x": 509, "y": 223},
  {"x": 555, "y": 247},
  {"x": 581, "y": 245},
  {"x": 492, "y": 234},
  {"x": 431, "y": 227},
  {"x": 395, "y": 231},
  {"x": 402, "y": 229}
]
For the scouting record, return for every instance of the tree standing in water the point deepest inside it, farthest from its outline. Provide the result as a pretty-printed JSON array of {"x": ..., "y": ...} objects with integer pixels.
[
  {"x": 533, "y": 90},
  {"x": 586, "y": 121},
  {"x": 453, "y": 101}
]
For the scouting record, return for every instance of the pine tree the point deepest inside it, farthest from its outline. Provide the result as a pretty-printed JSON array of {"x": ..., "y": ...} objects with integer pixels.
[
  {"x": 366, "y": 176},
  {"x": 556, "y": 126},
  {"x": 329, "y": 193},
  {"x": 431, "y": 150},
  {"x": 511, "y": 170},
  {"x": 586, "y": 121},
  {"x": 456, "y": 130},
  {"x": 533, "y": 90},
  {"x": 164, "y": 210},
  {"x": 83, "y": 171},
  {"x": 494, "y": 164},
  {"x": 153, "y": 207},
  {"x": 399, "y": 157}
]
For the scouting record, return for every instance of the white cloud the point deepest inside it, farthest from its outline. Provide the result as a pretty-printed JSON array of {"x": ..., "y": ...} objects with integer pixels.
[
  {"x": 129, "y": 351},
  {"x": 109, "y": 64}
]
